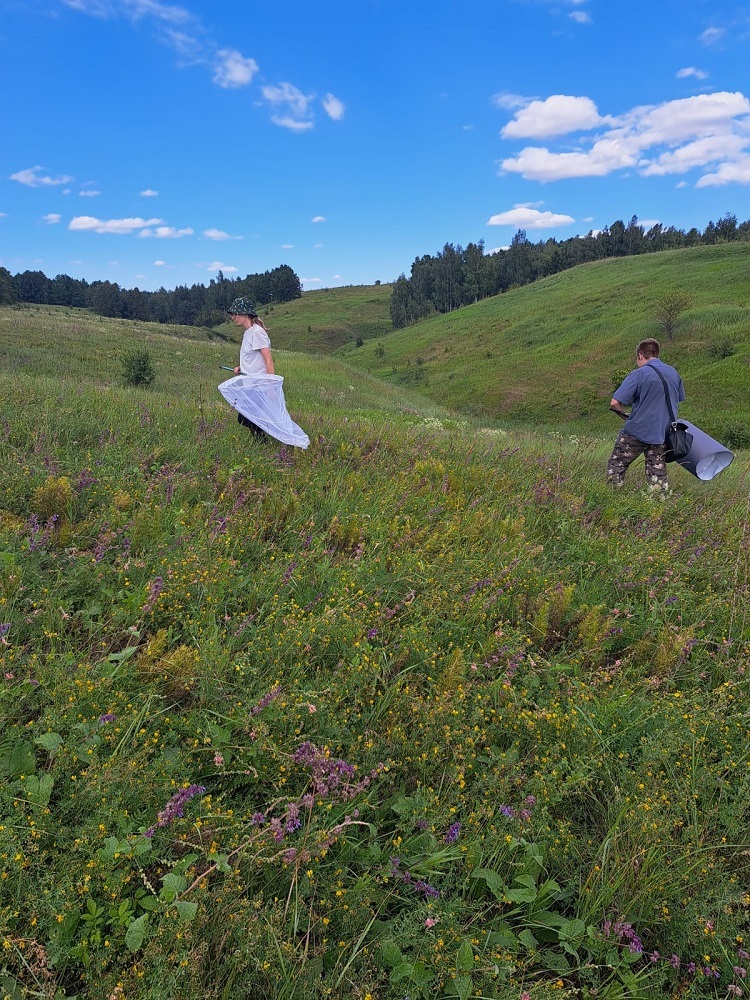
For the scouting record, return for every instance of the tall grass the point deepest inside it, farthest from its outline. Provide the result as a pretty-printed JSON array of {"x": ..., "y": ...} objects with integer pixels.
[{"x": 425, "y": 710}]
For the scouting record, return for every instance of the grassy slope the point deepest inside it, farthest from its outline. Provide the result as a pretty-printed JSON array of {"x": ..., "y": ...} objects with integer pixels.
[
  {"x": 476, "y": 611},
  {"x": 324, "y": 320},
  {"x": 547, "y": 353}
]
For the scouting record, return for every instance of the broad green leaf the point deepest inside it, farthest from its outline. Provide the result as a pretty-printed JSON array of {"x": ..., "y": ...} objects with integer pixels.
[
  {"x": 465, "y": 957},
  {"x": 391, "y": 953},
  {"x": 51, "y": 742},
  {"x": 136, "y": 932},
  {"x": 463, "y": 987},
  {"x": 186, "y": 911},
  {"x": 492, "y": 880}
]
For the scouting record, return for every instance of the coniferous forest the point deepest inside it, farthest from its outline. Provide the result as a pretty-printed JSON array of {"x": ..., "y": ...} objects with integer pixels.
[{"x": 459, "y": 276}]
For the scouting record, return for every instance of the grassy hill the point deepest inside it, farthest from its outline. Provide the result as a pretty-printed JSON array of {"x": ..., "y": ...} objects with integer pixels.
[
  {"x": 423, "y": 710},
  {"x": 326, "y": 319},
  {"x": 547, "y": 353}
]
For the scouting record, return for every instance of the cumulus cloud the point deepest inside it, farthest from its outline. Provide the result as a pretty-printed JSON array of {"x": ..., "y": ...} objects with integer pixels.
[
  {"x": 89, "y": 194},
  {"x": 87, "y": 223},
  {"x": 32, "y": 177},
  {"x": 160, "y": 263},
  {"x": 333, "y": 107},
  {"x": 580, "y": 17},
  {"x": 148, "y": 193},
  {"x": 293, "y": 108},
  {"x": 557, "y": 115},
  {"x": 672, "y": 137},
  {"x": 219, "y": 234},
  {"x": 51, "y": 218},
  {"x": 727, "y": 173},
  {"x": 524, "y": 217},
  {"x": 217, "y": 265},
  {"x": 687, "y": 71},
  {"x": 232, "y": 70},
  {"x": 318, "y": 218},
  {"x": 166, "y": 233},
  {"x": 509, "y": 102},
  {"x": 712, "y": 36}
]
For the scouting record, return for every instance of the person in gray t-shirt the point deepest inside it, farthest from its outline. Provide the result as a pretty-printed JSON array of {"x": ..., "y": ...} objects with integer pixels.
[{"x": 646, "y": 424}]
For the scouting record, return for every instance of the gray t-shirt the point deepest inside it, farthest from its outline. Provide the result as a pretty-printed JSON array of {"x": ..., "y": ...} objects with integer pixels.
[{"x": 649, "y": 416}]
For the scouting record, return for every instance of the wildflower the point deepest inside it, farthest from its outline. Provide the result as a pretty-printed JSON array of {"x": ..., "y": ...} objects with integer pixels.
[
  {"x": 154, "y": 590},
  {"x": 453, "y": 831},
  {"x": 218, "y": 759},
  {"x": 654, "y": 956},
  {"x": 257, "y": 819},
  {"x": 525, "y": 995},
  {"x": 430, "y": 922},
  {"x": 107, "y": 717},
  {"x": 175, "y": 808},
  {"x": 735, "y": 990},
  {"x": 739, "y": 971},
  {"x": 266, "y": 700},
  {"x": 675, "y": 961},
  {"x": 4, "y": 628}
]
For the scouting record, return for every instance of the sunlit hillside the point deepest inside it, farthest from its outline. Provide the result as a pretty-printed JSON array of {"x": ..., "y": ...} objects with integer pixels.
[{"x": 547, "y": 353}]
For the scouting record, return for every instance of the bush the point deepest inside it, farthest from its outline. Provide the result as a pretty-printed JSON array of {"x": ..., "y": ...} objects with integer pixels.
[
  {"x": 138, "y": 368},
  {"x": 733, "y": 434}
]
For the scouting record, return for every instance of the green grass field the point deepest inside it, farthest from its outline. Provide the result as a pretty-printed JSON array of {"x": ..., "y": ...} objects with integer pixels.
[
  {"x": 546, "y": 353},
  {"x": 423, "y": 711}
]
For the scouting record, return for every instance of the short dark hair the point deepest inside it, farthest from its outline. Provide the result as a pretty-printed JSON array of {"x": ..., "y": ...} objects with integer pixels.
[{"x": 648, "y": 348}]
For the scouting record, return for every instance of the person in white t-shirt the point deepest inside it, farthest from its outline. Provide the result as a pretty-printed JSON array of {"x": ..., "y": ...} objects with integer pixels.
[{"x": 255, "y": 351}]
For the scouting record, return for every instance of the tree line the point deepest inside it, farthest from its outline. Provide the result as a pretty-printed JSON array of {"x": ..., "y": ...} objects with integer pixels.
[
  {"x": 197, "y": 305},
  {"x": 457, "y": 277}
]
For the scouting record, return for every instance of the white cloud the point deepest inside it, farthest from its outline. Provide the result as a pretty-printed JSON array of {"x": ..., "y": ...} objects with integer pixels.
[
  {"x": 580, "y": 17},
  {"x": 700, "y": 153},
  {"x": 678, "y": 136},
  {"x": 3, "y": 215},
  {"x": 711, "y": 36},
  {"x": 31, "y": 177},
  {"x": 148, "y": 193},
  {"x": 160, "y": 263},
  {"x": 557, "y": 115},
  {"x": 217, "y": 265},
  {"x": 310, "y": 281},
  {"x": 687, "y": 71},
  {"x": 89, "y": 194},
  {"x": 510, "y": 102},
  {"x": 317, "y": 246},
  {"x": 165, "y": 233},
  {"x": 298, "y": 116},
  {"x": 219, "y": 234},
  {"x": 287, "y": 246},
  {"x": 728, "y": 173},
  {"x": 523, "y": 217},
  {"x": 333, "y": 107},
  {"x": 318, "y": 218},
  {"x": 51, "y": 218},
  {"x": 233, "y": 70},
  {"x": 90, "y": 224}
]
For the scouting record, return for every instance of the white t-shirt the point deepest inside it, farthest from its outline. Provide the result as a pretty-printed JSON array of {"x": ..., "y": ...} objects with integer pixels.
[{"x": 251, "y": 360}]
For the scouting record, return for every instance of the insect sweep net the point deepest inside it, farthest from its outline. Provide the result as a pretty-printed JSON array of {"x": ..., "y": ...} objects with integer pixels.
[{"x": 260, "y": 398}]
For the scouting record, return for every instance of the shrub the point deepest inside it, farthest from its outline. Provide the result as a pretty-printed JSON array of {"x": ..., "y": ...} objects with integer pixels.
[{"x": 138, "y": 368}]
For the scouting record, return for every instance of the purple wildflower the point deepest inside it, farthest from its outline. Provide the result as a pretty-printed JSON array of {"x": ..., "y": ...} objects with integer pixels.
[
  {"x": 453, "y": 831},
  {"x": 675, "y": 961},
  {"x": 257, "y": 819},
  {"x": 175, "y": 808},
  {"x": 266, "y": 700},
  {"x": 154, "y": 590},
  {"x": 107, "y": 717},
  {"x": 4, "y": 629}
]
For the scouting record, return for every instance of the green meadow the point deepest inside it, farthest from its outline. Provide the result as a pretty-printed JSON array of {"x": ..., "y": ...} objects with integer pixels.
[{"x": 423, "y": 711}]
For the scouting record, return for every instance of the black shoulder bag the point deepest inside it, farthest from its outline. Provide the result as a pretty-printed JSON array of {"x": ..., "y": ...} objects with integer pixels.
[{"x": 677, "y": 437}]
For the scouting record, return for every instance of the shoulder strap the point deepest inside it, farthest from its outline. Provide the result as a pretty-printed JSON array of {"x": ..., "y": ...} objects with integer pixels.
[{"x": 666, "y": 394}]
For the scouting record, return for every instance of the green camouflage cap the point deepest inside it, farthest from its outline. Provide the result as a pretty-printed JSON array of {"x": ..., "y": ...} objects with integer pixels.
[{"x": 242, "y": 307}]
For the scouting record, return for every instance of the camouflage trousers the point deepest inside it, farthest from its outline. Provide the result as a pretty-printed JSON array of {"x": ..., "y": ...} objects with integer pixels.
[{"x": 625, "y": 452}]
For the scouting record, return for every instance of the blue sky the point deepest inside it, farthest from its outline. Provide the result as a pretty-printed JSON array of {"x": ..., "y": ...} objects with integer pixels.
[{"x": 153, "y": 144}]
